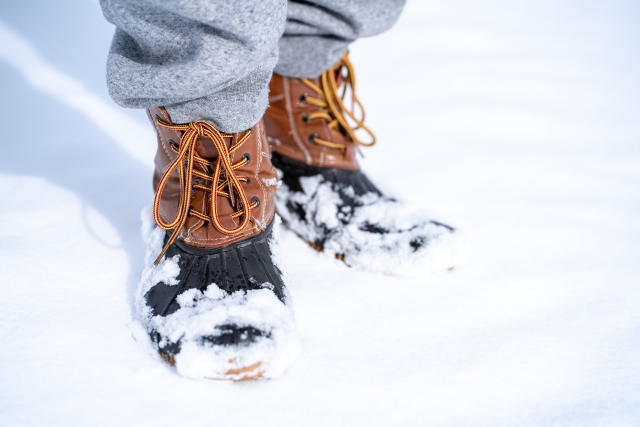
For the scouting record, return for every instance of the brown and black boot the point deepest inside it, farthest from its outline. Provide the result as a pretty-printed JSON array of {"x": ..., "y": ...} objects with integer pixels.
[
  {"x": 211, "y": 297},
  {"x": 325, "y": 198}
]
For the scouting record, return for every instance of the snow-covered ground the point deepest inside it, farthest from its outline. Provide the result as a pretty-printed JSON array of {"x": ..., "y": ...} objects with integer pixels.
[{"x": 517, "y": 122}]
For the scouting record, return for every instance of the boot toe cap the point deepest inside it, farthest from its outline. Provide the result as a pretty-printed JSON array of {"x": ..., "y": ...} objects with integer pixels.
[{"x": 235, "y": 335}]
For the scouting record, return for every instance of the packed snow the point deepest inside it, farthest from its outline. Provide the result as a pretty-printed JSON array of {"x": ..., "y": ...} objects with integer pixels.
[{"x": 514, "y": 122}]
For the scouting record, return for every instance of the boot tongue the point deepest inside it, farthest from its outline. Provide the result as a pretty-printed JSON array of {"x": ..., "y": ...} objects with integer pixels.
[
  {"x": 339, "y": 77},
  {"x": 206, "y": 149}
]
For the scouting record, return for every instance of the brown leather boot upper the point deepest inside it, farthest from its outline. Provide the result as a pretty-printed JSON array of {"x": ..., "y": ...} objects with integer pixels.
[
  {"x": 255, "y": 182},
  {"x": 306, "y": 119}
]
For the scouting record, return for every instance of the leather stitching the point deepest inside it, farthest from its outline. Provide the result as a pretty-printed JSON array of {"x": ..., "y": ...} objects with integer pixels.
[{"x": 294, "y": 130}]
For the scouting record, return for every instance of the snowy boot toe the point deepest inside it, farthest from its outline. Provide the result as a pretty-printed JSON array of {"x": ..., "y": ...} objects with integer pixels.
[
  {"x": 325, "y": 198},
  {"x": 211, "y": 297}
]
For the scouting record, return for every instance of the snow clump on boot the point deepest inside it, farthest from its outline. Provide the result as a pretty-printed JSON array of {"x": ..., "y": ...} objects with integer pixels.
[{"x": 370, "y": 231}]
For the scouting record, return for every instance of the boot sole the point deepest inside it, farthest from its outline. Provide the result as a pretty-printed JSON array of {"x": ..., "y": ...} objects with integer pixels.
[
  {"x": 251, "y": 372},
  {"x": 321, "y": 250},
  {"x": 314, "y": 246}
]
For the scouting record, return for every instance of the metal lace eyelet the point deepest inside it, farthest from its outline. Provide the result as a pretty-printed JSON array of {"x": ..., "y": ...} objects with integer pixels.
[
  {"x": 248, "y": 181},
  {"x": 255, "y": 199},
  {"x": 305, "y": 118},
  {"x": 303, "y": 97},
  {"x": 248, "y": 157},
  {"x": 312, "y": 138}
]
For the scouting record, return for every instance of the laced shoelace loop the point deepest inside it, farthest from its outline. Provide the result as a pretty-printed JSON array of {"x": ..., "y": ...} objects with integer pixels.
[
  {"x": 333, "y": 105},
  {"x": 223, "y": 176}
]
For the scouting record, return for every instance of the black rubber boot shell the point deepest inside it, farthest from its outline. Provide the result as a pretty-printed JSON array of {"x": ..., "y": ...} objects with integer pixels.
[
  {"x": 348, "y": 184},
  {"x": 245, "y": 265},
  {"x": 293, "y": 170}
]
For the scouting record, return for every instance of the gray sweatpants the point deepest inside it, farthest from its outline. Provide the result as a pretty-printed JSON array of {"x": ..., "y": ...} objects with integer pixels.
[{"x": 213, "y": 59}]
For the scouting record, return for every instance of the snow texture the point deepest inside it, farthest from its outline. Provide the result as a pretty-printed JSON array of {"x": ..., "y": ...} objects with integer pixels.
[
  {"x": 201, "y": 314},
  {"x": 403, "y": 239},
  {"x": 515, "y": 122}
]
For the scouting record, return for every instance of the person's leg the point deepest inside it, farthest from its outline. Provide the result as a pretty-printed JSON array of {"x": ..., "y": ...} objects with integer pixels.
[
  {"x": 213, "y": 301},
  {"x": 316, "y": 134},
  {"x": 200, "y": 59},
  {"x": 318, "y": 33}
]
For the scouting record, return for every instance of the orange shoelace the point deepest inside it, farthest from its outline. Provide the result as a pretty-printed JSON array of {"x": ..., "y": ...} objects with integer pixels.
[
  {"x": 335, "y": 112},
  {"x": 224, "y": 182}
]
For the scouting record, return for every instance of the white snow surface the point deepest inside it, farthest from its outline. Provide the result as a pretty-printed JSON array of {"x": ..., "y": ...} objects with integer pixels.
[
  {"x": 201, "y": 314},
  {"x": 515, "y": 122}
]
